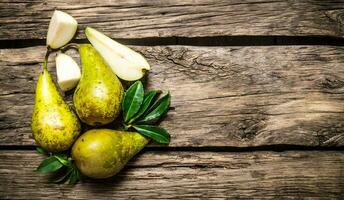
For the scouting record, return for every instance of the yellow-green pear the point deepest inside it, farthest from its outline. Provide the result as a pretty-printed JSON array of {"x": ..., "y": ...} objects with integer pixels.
[
  {"x": 54, "y": 125},
  {"x": 98, "y": 96},
  {"x": 101, "y": 153}
]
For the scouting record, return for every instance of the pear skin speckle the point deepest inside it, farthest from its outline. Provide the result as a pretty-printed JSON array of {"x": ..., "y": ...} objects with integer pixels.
[
  {"x": 54, "y": 125},
  {"x": 99, "y": 94}
]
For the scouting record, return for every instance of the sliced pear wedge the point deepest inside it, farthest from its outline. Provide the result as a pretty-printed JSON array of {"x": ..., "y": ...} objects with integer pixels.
[
  {"x": 62, "y": 28},
  {"x": 125, "y": 62},
  {"x": 68, "y": 72}
]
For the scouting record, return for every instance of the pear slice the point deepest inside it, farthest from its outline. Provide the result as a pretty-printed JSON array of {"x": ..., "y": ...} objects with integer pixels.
[
  {"x": 62, "y": 28},
  {"x": 125, "y": 62},
  {"x": 68, "y": 72}
]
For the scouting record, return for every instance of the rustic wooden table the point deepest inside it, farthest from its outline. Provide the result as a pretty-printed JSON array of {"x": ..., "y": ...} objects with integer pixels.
[{"x": 257, "y": 95}]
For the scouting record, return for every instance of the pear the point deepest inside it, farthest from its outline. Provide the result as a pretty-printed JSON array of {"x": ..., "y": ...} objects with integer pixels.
[
  {"x": 54, "y": 125},
  {"x": 99, "y": 94},
  {"x": 68, "y": 72},
  {"x": 125, "y": 62},
  {"x": 62, "y": 28},
  {"x": 102, "y": 153}
]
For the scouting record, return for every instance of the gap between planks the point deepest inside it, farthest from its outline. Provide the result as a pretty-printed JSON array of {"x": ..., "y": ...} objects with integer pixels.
[
  {"x": 199, "y": 41},
  {"x": 229, "y": 149}
]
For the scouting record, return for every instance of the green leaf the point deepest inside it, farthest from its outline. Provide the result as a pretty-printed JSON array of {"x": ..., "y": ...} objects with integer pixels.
[
  {"x": 132, "y": 100},
  {"x": 62, "y": 158},
  {"x": 74, "y": 176},
  {"x": 48, "y": 165},
  {"x": 40, "y": 150},
  {"x": 156, "y": 133},
  {"x": 148, "y": 99},
  {"x": 64, "y": 177},
  {"x": 158, "y": 109}
]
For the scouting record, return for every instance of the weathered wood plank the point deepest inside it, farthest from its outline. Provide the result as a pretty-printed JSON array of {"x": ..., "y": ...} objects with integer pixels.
[
  {"x": 144, "y": 19},
  {"x": 186, "y": 175},
  {"x": 221, "y": 96}
]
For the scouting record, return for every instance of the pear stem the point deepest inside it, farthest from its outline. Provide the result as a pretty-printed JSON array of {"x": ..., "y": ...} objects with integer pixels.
[
  {"x": 46, "y": 57},
  {"x": 70, "y": 46}
]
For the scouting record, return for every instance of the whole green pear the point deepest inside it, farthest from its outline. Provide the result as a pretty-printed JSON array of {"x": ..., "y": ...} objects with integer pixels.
[
  {"x": 98, "y": 96},
  {"x": 54, "y": 125},
  {"x": 101, "y": 153}
]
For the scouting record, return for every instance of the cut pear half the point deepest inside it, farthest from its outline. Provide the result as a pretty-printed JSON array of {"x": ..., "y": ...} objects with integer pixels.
[
  {"x": 62, "y": 28},
  {"x": 124, "y": 62}
]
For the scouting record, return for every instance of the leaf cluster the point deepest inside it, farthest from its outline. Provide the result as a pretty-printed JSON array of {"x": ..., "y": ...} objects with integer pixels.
[
  {"x": 59, "y": 163},
  {"x": 142, "y": 110}
]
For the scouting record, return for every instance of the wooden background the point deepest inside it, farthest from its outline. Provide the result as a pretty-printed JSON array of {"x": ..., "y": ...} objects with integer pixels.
[{"x": 257, "y": 97}]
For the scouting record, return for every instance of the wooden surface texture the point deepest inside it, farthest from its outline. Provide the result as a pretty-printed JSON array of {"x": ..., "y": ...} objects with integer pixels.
[
  {"x": 188, "y": 175},
  {"x": 221, "y": 96},
  {"x": 249, "y": 119},
  {"x": 202, "y": 18}
]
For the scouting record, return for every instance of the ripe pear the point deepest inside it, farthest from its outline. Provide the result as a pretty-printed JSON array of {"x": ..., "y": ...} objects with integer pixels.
[
  {"x": 99, "y": 94},
  {"x": 102, "y": 153},
  {"x": 125, "y": 62},
  {"x": 54, "y": 125}
]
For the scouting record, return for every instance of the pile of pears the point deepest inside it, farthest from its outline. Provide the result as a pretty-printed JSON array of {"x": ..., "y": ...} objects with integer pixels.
[{"x": 97, "y": 153}]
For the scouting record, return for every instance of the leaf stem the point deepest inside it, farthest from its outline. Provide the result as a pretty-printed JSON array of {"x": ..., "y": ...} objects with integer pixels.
[
  {"x": 131, "y": 121},
  {"x": 126, "y": 126}
]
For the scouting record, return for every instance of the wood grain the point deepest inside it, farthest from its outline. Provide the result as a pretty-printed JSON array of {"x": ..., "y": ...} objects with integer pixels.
[
  {"x": 221, "y": 96},
  {"x": 188, "y": 175},
  {"x": 182, "y": 18}
]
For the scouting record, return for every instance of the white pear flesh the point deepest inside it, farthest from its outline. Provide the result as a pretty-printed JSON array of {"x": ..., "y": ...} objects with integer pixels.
[
  {"x": 62, "y": 28},
  {"x": 124, "y": 62},
  {"x": 68, "y": 72}
]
